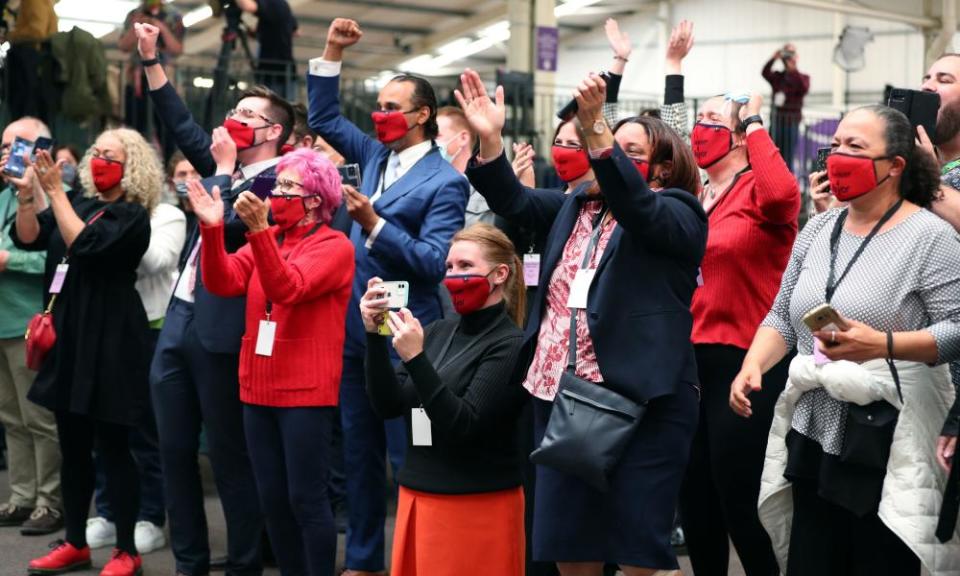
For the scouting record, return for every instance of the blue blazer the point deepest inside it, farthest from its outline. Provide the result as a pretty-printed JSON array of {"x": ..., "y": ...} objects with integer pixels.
[
  {"x": 638, "y": 306},
  {"x": 423, "y": 210},
  {"x": 192, "y": 140}
]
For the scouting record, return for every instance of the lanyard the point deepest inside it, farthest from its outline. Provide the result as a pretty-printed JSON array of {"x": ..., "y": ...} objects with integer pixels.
[
  {"x": 584, "y": 264},
  {"x": 594, "y": 241},
  {"x": 949, "y": 166},
  {"x": 280, "y": 242},
  {"x": 835, "y": 242}
]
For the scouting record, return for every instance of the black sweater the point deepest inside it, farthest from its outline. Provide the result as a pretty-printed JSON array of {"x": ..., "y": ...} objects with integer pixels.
[{"x": 472, "y": 406}]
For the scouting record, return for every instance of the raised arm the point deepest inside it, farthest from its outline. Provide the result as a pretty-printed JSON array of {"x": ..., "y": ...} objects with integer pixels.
[
  {"x": 190, "y": 137},
  {"x": 223, "y": 274},
  {"x": 323, "y": 96},
  {"x": 321, "y": 267},
  {"x": 776, "y": 191},
  {"x": 674, "y": 111},
  {"x": 490, "y": 172},
  {"x": 622, "y": 48}
]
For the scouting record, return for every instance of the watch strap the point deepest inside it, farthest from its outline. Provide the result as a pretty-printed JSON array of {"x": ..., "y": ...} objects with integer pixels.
[
  {"x": 756, "y": 118},
  {"x": 149, "y": 62}
]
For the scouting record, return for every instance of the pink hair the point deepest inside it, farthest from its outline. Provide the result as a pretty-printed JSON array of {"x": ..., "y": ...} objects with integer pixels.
[{"x": 319, "y": 177}]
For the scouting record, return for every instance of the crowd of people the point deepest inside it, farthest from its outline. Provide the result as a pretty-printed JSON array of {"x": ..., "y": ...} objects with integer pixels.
[{"x": 553, "y": 375}]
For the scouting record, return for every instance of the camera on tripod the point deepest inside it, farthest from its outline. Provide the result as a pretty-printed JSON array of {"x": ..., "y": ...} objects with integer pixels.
[{"x": 230, "y": 10}]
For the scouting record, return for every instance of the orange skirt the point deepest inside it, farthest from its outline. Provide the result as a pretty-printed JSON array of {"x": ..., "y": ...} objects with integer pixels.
[{"x": 458, "y": 535}]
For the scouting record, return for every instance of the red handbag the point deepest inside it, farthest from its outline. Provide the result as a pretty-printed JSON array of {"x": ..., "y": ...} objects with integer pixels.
[{"x": 40, "y": 336}]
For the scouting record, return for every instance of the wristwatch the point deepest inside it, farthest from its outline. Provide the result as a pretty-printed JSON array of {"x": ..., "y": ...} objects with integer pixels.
[
  {"x": 150, "y": 62},
  {"x": 599, "y": 126},
  {"x": 750, "y": 120}
]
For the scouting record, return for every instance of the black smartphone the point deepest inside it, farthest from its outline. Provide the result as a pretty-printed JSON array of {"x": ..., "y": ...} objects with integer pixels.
[
  {"x": 350, "y": 175},
  {"x": 570, "y": 110},
  {"x": 43, "y": 143},
  {"x": 16, "y": 165},
  {"x": 920, "y": 107},
  {"x": 822, "y": 154},
  {"x": 263, "y": 185}
]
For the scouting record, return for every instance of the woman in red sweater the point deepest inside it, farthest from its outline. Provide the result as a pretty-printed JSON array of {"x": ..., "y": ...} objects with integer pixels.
[
  {"x": 752, "y": 203},
  {"x": 296, "y": 276}
]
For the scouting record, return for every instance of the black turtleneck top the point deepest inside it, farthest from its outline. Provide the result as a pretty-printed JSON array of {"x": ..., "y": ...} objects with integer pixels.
[{"x": 468, "y": 395}]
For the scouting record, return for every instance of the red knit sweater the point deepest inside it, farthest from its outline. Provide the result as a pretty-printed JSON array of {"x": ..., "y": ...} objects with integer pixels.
[
  {"x": 309, "y": 281},
  {"x": 751, "y": 233}
]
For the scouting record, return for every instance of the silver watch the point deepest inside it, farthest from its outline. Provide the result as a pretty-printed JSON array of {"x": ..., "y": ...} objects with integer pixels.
[{"x": 599, "y": 126}]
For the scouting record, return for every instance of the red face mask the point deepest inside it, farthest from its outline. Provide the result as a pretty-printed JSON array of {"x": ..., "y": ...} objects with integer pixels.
[
  {"x": 710, "y": 143},
  {"x": 287, "y": 213},
  {"x": 852, "y": 176},
  {"x": 286, "y": 148},
  {"x": 643, "y": 167},
  {"x": 570, "y": 163},
  {"x": 391, "y": 126},
  {"x": 243, "y": 135},
  {"x": 468, "y": 291},
  {"x": 106, "y": 173}
]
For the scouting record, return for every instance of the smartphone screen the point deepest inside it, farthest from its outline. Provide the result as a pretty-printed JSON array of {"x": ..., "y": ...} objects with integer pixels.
[
  {"x": 263, "y": 185},
  {"x": 350, "y": 175},
  {"x": 15, "y": 163}
]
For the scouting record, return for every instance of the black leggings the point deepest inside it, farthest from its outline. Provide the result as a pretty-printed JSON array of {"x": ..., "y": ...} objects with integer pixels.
[
  {"x": 79, "y": 437},
  {"x": 718, "y": 501},
  {"x": 827, "y": 540}
]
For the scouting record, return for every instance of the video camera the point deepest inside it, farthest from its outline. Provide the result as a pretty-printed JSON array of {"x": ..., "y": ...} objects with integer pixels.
[{"x": 229, "y": 9}]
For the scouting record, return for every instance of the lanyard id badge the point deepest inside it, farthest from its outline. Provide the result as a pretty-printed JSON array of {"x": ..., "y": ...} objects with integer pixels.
[{"x": 420, "y": 429}]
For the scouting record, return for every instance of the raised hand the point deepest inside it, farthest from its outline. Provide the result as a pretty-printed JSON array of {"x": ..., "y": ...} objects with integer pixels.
[
  {"x": 147, "y": 35},
  {"x": 373, "y": 306},
  {"x": 207, "y": 207},
  {"x": 679, "y": 45},
  {"x": 343, "y": 33},
  {"x": 48, "y": 172},
  {"x": 619, "y": 41},
  {"x": 523, "y": 156},
  {"x": 485, "y": 116},
  {"x": 407, "y": 334},
  {"x": 590, "y": 94},
  {"x": 752, "y": 107},
  {"x": 224, "y": 151}
]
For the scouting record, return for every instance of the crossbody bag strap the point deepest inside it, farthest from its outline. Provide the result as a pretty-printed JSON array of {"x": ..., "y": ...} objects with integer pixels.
[{"x": 584, "y": 264}]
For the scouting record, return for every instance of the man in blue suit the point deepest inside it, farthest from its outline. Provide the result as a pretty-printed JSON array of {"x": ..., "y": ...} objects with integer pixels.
[
  {"x": 411, "y": 203},
  {"x": 194, "y": 373}
]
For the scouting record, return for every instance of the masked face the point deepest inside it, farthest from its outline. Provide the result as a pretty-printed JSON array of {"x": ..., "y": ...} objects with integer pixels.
[
  {"x": 288, "y": 211},
  {"x": 243, "y": 135},
  {"x": 468, "y": 292},
  {"x": 710, "y": 143},
  {"x": 570, "y": 163},
  {"x": 852, "y": 176},
  {"x": 391, "y": 125},
  {"x": 107, "y": 174},
  {"x": 68, "y": 173}
]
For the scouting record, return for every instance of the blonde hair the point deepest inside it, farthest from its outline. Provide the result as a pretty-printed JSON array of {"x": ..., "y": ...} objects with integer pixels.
[
  {"x": 498, "y": 249},
  {"x": 143, "y": 177}
]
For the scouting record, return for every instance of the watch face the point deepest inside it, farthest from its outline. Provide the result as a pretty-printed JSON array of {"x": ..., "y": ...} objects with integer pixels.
[{"x": 599, "y": 126}]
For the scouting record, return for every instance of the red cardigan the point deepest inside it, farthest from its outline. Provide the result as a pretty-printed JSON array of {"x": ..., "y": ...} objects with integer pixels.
[
  {"x": 309, "y": 281},
  {"x": 751, "y": 233}
]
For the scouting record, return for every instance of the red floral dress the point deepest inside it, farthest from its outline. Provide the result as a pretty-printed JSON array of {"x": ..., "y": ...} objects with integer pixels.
[{"x": 550, "y": 359}]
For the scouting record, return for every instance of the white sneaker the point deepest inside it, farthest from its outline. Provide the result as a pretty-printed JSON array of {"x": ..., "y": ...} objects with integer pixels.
[
  {"x": 148, "y": 537},
  {"x": 101, "y": 533}
]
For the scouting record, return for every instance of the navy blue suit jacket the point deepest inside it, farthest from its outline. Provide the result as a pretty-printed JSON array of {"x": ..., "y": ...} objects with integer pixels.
[
  {"x": 638, "y": 306},
  {"x": 190, "y": 137},
  {"x": 423, "y": 210}
]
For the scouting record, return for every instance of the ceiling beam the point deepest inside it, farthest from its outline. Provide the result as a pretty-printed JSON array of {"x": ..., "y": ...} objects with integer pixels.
[
  {"x": 402, "y": 7},
  {"x": 918, "y": 21},
  {"x": 375, "y": 26}
]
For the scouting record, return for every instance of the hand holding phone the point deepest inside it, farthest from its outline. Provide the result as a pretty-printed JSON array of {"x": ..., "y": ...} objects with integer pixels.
[
  {"x": 16, "y": 163},
  {"x": 350, "y": 175},
  {"x": 824, "y": 317},
  {"x": 263, "y": 185},
  {"x": 397, "y": 294}
]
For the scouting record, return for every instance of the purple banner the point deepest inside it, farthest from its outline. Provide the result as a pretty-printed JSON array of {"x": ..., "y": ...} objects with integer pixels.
[{"x": 547, "y": 41}]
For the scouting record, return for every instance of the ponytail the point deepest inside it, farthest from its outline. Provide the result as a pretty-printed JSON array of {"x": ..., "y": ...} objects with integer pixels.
[{"x": 498, "y": 249}]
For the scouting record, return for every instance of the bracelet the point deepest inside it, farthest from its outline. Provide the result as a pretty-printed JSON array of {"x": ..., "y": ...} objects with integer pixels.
[
  {"x": 620, "y": 58},
  {"x": 756, "y": 118},
  {"x": 24, "y": 201},
  {"x": 150, "y": 62}
]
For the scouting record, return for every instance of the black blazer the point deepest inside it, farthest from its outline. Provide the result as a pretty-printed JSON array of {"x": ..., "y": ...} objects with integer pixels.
[{"x": 638, "y": 307}]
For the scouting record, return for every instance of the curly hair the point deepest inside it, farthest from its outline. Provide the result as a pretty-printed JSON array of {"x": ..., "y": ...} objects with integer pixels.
[
  {"x": 142, "y": 172},
  {"x": 320, "y": 178}
]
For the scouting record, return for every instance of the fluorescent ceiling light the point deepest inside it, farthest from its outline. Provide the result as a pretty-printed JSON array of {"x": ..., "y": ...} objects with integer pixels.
[
  {"x": 113, "y": 11},
  {"x": 198, "y": 15},
  {"x": 201, "y": 82},
  {"x": 459, "y": 49},
  {"x": 97, "y": 29},
  {"x": 571, "y": 7},
  {"x": 453, "y": 47}
]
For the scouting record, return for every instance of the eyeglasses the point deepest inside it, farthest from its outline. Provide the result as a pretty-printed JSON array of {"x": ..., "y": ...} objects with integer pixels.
[
  {"x": 248, "y": 114},
  {"x": 284, "y": 187}
]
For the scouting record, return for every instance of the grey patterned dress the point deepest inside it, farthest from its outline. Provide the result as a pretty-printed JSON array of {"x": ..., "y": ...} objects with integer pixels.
[{"x": 908, "y": 278}]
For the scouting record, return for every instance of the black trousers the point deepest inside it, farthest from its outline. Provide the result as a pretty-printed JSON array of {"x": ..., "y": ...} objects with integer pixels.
[
  {"x": 79, "y": 437},
  {"x": 718, "y": 501},
  {"x": 828, "y": 540}
]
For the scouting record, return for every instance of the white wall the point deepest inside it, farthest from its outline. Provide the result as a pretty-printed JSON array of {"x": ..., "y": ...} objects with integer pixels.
[{"x": 734, "y": 38}]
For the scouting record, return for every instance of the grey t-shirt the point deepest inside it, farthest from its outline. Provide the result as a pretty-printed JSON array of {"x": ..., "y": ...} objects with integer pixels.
[{"x": 906, "y": 279}]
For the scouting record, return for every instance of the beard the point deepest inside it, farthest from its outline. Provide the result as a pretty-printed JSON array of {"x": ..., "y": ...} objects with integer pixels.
[{"x": 948, "y": 124}]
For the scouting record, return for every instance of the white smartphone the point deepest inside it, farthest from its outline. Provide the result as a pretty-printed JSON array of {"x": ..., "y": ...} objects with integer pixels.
[{"x": 397, "y": 294}]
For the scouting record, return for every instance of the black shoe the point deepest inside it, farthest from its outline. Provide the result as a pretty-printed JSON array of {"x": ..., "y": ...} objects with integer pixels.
[
  {"x": 218, "y": 563},
  {"x": 44, "y": 520},
  {"x": 13, "y": 515}
]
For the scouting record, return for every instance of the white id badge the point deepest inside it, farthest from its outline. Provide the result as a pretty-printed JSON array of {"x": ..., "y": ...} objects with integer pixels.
[
  {"x": 531, "y": 269},
  {"x": 420, "y": 427},
  {"x": 268, "y": 329},
  {"x": 580, "y": 288},
  {"x": 56, "y": 285},
  {"x": 699, "y": 276}
]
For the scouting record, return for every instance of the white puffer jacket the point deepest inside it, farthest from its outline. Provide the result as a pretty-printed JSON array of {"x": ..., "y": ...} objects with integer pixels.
[{"x": 913, "y": 488}]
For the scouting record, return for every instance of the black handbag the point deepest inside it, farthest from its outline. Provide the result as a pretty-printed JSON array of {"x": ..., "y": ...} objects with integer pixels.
[
  {"x": 868, "y": 431},
  {"x": 590, "y": 426}
]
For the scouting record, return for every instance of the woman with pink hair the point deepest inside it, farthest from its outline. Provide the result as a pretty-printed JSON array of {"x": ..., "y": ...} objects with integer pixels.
[{"x": 296, "y": 276}]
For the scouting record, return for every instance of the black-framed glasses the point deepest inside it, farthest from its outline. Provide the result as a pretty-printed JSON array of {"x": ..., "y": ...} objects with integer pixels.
[{"x": 248, "y": 114}]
